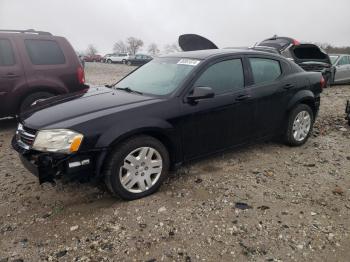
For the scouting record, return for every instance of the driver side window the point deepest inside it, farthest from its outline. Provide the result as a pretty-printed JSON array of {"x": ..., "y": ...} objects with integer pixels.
[{"x": 223, "y": 77}]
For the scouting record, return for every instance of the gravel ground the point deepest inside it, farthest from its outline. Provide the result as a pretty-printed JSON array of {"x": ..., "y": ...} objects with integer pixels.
[{"x": 265, "y": 202}]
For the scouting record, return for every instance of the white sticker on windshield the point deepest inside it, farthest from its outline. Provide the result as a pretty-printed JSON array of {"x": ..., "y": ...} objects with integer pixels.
[{"x": 190, "y": 62}]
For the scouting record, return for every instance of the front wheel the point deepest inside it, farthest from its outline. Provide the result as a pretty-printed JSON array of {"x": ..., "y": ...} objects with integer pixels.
[
  {"x": 32, "y": 99},
  {"x": 300, "y": 124},
  {"x": 137, "y": 167}
]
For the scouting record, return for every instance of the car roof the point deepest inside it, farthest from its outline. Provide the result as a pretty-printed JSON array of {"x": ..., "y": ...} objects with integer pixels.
[{"x": 205, "y": 54}]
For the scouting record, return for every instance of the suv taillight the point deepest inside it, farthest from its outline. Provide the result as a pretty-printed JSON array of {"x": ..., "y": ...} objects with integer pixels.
[
  {"x": 81, "y": 75},
  {"x": 323, "y": 82},
  {"x": 296, "y": 42}
]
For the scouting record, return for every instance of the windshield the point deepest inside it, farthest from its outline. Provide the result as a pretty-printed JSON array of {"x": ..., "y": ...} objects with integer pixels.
[
  {"x": 161, "y": 76},
  {"x": 333, "y": 58}
]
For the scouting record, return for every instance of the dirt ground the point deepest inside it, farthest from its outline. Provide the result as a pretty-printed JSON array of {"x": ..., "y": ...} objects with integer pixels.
[{"x": 265, "y": 202}]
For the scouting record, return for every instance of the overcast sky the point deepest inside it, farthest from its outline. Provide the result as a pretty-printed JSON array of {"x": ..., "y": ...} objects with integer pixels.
[{"x": 225, "y": 22}]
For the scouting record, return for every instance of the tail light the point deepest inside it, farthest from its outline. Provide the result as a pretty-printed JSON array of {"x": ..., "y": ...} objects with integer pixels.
[
  {"x": 81, "y": 75},
  {"x": 296, "y": 42},
  {"x": 323, "y": 82}
]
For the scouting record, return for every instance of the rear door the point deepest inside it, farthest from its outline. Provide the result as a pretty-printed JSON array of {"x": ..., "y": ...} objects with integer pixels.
[
  {"x": 220, "y": 122},
  {"x": 270, "y": 91},
  {"x": 11, "y": 75}
]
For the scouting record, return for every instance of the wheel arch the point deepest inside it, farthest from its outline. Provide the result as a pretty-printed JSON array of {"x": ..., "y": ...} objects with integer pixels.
[
  {"x": 38, "y": 89},
  {"x": 165, "y": 137},
  {"x": 303, "y": 97}
]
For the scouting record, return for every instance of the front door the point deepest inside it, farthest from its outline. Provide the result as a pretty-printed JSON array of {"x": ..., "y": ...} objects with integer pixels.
[
  {"x": 217, "y": 123},
  {"x": 343, "y": 69}
]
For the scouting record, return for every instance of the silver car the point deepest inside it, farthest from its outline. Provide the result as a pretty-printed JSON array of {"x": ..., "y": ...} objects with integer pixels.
[{"x": 342, "y": 68}]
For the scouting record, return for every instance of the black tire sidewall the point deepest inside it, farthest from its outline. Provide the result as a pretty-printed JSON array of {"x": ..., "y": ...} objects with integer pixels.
[
  {"x": 292, "y": 115},
  {"x": 30, "y": 99},
  {"x": 116, "y": 160}
]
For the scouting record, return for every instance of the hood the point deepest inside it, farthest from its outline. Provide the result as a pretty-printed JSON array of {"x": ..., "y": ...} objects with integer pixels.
[
  {"x": 193, "y": 42},
  {"x": 66, "y": 107}
]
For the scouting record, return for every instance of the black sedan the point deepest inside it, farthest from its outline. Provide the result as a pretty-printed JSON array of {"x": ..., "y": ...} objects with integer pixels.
[
  {"x": 170, "y": 111},
  {"x": 138, "y": 60}
]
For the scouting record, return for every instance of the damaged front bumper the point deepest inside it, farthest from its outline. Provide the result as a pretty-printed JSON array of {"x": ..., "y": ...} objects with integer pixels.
[{"x": 51, "y": 166}]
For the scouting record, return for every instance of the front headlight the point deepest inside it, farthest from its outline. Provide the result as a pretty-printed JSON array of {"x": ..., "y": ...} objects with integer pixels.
[{"x": 58, "y": 141}]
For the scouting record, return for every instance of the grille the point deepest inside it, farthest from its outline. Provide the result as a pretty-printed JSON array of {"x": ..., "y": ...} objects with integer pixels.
[{"x": 25, "y": 136}]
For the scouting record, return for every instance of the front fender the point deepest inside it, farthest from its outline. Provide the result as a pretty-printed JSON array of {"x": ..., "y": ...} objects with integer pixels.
[{"x": 119, "y": 131}]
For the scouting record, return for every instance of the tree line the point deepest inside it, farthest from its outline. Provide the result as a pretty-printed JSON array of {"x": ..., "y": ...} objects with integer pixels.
[{"x": 132, "y": 45}]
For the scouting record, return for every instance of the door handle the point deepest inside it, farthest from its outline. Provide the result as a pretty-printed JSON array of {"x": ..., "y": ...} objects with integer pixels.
[
  {"x": 242, "y": 97},
  {"x": 288, "y": 86},
  {"x": 10, "y": 75}
]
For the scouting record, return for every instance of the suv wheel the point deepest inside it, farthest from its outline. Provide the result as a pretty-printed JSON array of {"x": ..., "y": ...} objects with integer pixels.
[
  {"x": 137, "y": 167},
  {"x": 300, "y": 124},
  {"x": 109, "y": 61},
  {"x": 32, "y": 98}
]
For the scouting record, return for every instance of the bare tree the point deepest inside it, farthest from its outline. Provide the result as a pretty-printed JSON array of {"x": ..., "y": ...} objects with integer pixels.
[
  {"x": 153, "y": 49},
  {"x": 134, "y": 44},
  {"x": 171, "y": 48},
  {"x": 120, "y": 47},
  {"x": 91, "y": 50}
]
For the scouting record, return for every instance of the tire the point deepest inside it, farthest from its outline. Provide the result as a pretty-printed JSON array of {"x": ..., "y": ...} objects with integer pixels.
[
  {"x": 124, "y": 61},
  {"x": 30, "y": 99},
  {"x": 109, "y": 61},
  {"x": 114, "y": 169},
  {"x": 291, "y": 136}
]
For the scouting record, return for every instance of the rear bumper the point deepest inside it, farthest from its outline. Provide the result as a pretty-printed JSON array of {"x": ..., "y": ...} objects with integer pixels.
[{"x": 49, "y": 166}]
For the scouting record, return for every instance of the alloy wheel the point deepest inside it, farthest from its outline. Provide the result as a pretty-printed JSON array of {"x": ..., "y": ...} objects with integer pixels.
[
  {"x": 141, "y": 169},
  {"x": 301, "y": 126}
]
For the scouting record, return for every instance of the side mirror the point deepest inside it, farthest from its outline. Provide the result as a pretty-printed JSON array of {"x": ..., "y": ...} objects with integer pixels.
[{"x": 201, "y": 92}]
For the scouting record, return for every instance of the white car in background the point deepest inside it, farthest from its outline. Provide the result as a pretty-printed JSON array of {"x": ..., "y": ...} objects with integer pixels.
[
  {"x": 342, "y": 68},
  {"x": 118, "y": 58}
]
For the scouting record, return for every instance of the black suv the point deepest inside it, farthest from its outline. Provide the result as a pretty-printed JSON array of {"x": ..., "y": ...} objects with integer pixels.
[
  {"x": 172, "y": 110},
  {"x": 35, "y": 65}
]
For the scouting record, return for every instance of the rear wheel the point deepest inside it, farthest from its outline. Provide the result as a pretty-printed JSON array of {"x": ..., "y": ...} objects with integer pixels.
[
  {"x": 109, "y": 61},
  {"x": 137, "y": 167},
  {"x": 32, "y": 99},
  {"x": 300, "y": 124}
]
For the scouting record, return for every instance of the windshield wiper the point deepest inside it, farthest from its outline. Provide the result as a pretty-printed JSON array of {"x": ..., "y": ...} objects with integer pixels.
[{"x": 129, "y": 90}]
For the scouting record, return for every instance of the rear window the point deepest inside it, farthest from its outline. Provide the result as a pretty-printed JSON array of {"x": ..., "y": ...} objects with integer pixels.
[
  {"x": 265, "y": 70},
  {"x": 276, "y": 43},
  {"x": 7, "y": 57},
  {"x": 44, "y": 52}
]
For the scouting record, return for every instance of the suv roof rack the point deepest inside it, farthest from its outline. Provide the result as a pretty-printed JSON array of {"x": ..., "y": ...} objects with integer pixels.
[{"x": 28, "y": 31}]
